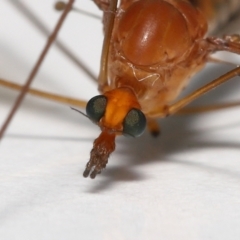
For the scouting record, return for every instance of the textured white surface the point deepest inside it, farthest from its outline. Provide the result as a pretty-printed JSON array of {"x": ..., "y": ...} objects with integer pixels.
[{"x": 183, "y": 185}]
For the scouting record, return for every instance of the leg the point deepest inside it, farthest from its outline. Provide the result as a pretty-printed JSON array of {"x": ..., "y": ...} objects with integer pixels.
[
  {"x": 35, "y": 69},
  {"x": 198, "y": 93},
  {"x": 230, "y": 43},
  {"x": 174, "y": 108},
  {"x": 108, "y": 26},
  {"x": 45, "y": 95}
]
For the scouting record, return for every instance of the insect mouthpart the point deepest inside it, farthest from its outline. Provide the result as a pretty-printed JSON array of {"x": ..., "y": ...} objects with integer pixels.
[{"x": 103, "y": 146}]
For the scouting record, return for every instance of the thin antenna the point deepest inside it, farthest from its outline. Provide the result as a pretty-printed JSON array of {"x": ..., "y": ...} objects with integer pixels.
[
  {"x": 36, "y": 68},
  {"x": 85, "y": 115}
]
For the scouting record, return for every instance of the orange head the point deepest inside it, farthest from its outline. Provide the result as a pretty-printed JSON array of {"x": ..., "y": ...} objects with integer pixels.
[{"x": 116, "y": 112}]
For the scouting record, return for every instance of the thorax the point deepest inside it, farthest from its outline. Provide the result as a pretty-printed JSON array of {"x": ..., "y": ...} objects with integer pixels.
[{"x": 156, "y": 47}]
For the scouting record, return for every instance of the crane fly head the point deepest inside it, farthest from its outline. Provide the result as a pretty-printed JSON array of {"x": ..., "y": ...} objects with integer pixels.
[{"x": 116, "y": 112}]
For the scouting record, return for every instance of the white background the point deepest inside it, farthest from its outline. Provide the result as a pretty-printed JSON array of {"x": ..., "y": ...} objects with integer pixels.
[{"x": 183, "y": 185}]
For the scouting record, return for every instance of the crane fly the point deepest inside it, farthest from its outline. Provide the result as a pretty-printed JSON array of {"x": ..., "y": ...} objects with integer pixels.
[{"x": 151, "y": 50}]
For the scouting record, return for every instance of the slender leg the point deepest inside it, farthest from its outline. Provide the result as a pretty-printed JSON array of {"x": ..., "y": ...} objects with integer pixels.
[
  {"x": 153, "y": 126},
  {"x": 24, "y": 90},
  {"x": 230, "y": 43},
  {"x": 108, "y": 26},
  {"x": 174, "y": 108},
  {"x": 198, "y": 93},
  {"x": 46, "y": 95}
]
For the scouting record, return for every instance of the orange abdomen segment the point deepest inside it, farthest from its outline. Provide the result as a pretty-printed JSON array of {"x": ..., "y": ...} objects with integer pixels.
[{"x": 153, "y": 31}]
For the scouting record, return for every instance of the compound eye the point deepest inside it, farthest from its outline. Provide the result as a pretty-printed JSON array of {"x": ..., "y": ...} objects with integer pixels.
[
  {"x": 96, "y": 107},
  {"x": 134, "y": 123}
]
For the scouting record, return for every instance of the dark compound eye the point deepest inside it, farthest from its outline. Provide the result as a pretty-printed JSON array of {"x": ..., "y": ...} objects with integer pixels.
[
  {"x": 134, "y": 123},
  {"x": 96, "y": 107}
]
